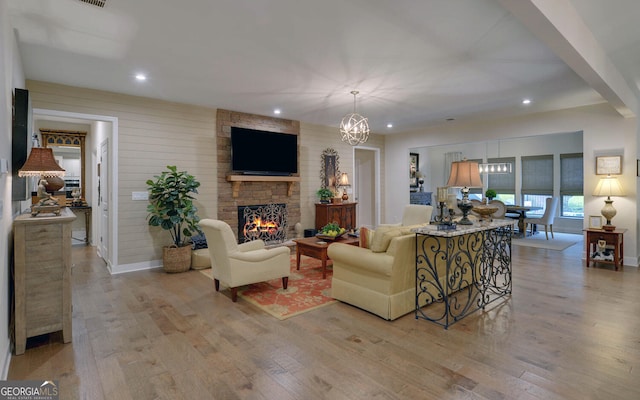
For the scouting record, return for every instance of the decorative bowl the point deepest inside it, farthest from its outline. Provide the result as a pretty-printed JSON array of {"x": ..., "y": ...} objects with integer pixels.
[
  {"x": 484, "y": 211},
  {"x": 328, "y": 237}
]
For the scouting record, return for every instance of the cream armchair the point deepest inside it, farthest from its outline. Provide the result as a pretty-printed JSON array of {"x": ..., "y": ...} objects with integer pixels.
[
  {"x": 414, "y": 214},
  {"x": 241, "y": 264}
]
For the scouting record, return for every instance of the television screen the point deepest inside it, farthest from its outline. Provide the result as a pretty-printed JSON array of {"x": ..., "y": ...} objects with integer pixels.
[{"x": 255, "y": 152}]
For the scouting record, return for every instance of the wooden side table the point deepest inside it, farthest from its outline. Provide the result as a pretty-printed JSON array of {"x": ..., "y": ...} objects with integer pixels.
[
  {"x": 316, "y": 248},
  {"x": 615, "y": 242}
]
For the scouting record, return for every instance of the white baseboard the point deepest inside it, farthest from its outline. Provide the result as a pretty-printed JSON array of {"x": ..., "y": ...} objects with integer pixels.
[{"x": 141, "y": 266}]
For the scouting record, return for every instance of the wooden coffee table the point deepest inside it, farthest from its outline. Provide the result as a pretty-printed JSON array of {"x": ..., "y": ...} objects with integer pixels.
[{"x": 317, "y": 248}]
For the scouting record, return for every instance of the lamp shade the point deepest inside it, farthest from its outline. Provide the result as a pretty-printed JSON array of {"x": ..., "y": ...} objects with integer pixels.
[
  {"x": 464, "y": 174},
  {"x": 41, "y": 163},
  {"x": 344, "y": 180},
  {"x": 609, "y": 186}
]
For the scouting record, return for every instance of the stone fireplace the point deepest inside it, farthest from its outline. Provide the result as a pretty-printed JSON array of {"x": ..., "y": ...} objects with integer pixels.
[
  {"x": 251, "y": 193},
  {"x": 267, "y": 222}
]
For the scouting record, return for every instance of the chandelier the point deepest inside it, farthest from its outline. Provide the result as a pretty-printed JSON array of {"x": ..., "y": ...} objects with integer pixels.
[
  {"x": 354, "y": 128},
  {"x": 495, "y": 168}
]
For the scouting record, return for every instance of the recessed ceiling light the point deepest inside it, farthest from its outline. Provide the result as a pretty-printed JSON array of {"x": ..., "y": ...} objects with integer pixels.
[
  {"x": 526, "y": 101},
  {"x": 141, "y": 77},
  {"x": 389, "y": 125},
  {"x": 277, "y": 111}
]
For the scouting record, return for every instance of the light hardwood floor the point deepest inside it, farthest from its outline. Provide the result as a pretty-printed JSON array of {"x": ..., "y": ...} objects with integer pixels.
[{"x": 567, "y": 332}]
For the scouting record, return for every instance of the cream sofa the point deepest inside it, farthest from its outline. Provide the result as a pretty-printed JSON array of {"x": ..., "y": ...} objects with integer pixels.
[{"x": 381, "y": 279}]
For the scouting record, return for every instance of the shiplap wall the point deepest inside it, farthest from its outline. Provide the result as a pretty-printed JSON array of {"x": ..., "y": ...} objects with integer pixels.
[
  {"x": 151, "y": 135},
  {"x": 154, "y": 133}
]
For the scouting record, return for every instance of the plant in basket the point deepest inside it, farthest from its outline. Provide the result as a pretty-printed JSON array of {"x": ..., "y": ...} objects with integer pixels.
[{"x": 171, "y": 208}]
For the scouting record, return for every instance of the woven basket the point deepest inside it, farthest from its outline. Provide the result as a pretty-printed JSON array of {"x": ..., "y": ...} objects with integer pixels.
[{"x": 176, "y": 259}]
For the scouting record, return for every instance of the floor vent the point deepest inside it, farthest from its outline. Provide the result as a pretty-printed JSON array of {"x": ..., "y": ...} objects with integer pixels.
[{"x": 99, "y": 3}]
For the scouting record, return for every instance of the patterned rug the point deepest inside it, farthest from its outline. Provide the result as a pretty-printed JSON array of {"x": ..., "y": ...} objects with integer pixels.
[{"x": 306, "y": 290}]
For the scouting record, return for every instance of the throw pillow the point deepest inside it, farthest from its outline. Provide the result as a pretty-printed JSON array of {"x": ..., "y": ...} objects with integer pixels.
[
  {"x": 198, "y": 242},
  {"x": 382, "y": 238},
  {"x": 366, "y": 236}
]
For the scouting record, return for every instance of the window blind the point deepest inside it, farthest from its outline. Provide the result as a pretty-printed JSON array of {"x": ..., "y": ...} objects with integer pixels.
[
  {"x": 503, "y": 183},
  {"x": 571, "y": 174},
  {"x": 537, "y": 174}
]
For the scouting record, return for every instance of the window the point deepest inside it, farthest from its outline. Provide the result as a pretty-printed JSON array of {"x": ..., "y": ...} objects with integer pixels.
[
  {"x": 537, "y": 181},
  {"x": 503, "y": 184},
  {"x": 571, "y": 183}
]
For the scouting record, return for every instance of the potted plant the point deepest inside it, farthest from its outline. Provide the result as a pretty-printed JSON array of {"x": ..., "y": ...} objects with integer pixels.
[
  {"x": 171, "y": 208},
  {"x": 490, "y": 194},
  {"x": 325, "y": 195}
]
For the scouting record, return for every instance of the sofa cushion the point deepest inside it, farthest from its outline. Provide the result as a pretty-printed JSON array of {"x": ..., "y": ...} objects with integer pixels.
[{"x": 382, "y": 237}]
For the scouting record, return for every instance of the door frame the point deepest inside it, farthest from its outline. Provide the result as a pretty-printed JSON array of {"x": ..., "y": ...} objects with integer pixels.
[
  {"x": 378, "y": 196},
  {"x": 113, "y": 173}
]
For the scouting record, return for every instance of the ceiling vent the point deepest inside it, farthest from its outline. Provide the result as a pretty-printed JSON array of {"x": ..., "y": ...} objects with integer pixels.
[{"x": 98, "y": 3}]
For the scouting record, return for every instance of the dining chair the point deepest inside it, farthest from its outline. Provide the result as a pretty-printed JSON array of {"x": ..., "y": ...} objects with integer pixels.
[{"x": 547, "y": 218}]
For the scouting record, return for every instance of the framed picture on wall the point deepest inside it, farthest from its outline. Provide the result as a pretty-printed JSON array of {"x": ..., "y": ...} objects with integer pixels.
[
  {"x": 609, "y": 165},
  {"x": 413, "y": 169}
]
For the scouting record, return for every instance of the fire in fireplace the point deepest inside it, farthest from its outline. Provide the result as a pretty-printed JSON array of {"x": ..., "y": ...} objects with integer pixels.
[{"x": 265, "y": 221}]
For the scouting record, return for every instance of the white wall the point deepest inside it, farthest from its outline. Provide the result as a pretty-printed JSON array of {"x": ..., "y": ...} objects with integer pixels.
[
  {"x": 604, "y": 132},
  {"x": 11, "y": 76}
]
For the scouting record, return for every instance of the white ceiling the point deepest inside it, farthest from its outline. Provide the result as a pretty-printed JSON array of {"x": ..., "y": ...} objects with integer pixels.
[{"x": 415, "y": 62}]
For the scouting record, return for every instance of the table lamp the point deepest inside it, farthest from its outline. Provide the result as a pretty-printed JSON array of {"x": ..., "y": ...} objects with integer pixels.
[
  {"x": 42, "y": 164},
  {"x": 608, "y": 186},
  {"x": 344, "y": 184},
  {"x": 464, "y": 174}
]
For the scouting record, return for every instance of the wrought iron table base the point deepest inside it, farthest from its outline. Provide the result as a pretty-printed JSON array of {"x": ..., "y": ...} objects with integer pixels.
[{"x": 477, "y": 272}]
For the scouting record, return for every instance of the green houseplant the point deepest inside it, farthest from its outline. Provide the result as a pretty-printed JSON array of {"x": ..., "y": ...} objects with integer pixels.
[
  {"x": 490, "y": 194},
  {"x": 171, "y": 208},
  {"x": 325, "y": 194}
]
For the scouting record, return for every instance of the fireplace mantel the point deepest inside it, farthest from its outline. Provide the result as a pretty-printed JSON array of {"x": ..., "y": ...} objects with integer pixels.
[{"x": 236, "y": 181}]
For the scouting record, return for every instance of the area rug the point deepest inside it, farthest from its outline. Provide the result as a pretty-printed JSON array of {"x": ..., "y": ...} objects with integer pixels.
[
  {"x": 560, "y": 241},
  {"x": 306, "y": 290}
]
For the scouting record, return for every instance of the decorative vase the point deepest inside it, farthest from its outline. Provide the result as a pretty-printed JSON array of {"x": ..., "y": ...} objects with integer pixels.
[{"x": 54, "y": 183}]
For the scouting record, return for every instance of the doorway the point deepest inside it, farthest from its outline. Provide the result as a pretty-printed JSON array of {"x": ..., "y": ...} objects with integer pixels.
[
  {"x": 103, "y": 128},
  {"x": 366, "y": 189}
]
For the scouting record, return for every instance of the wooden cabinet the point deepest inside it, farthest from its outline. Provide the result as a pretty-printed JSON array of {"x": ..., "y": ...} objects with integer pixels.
[
  {"x": 42, "y": 276},
  {"x": 614, "y": 247},
  {"x": 342, "y": 213}
]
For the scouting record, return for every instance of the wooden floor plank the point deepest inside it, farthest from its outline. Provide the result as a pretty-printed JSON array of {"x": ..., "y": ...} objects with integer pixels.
[{"x": 567, "y": 332}]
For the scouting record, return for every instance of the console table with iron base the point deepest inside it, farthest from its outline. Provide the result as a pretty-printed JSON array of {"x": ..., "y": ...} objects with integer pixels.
[{"x": 477, "y": 269}]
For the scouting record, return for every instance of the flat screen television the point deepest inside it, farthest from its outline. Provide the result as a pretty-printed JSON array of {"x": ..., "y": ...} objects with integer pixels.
[{"x": 255, "y": 152}]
